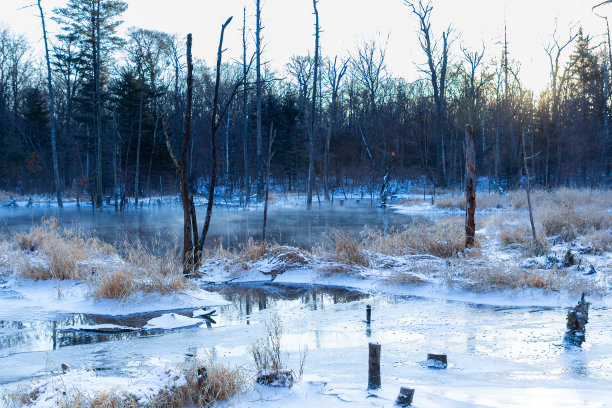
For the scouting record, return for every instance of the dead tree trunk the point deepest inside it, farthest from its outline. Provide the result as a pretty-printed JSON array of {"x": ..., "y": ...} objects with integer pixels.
[
  {"x": 268, "y": 164},
  {"x": 470, "y": 187},
  {"x": 527, "y": 188},
  {"x": 313, "y": 113},
  {"x": 247, "y": 182},
  {"x": 258, "y": 102},
  {"x": 51, "y": 112},
  {"x": 216, "y": 120},
  {"x": 181, "y": 169}
]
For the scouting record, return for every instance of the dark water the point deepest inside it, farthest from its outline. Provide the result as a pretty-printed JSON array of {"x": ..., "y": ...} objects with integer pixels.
[{"x": 292, "y": 225}]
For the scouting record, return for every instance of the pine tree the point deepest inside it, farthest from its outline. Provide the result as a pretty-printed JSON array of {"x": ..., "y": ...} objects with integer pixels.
[{"x": 94, "y": 23}]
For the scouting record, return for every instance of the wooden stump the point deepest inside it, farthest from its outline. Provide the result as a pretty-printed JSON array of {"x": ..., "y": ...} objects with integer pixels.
[
  {"x": 436, "y": 361},
  {"x": 576, "y": 323},
  {"x": 368, "y": 313},
  {"x": 374, "y": 366},
  {"x": 405, "y": 397}
]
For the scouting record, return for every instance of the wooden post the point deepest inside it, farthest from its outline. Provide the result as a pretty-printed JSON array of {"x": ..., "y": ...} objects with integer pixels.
[
  {"x": 374, "y": 366},
  {"x": 405, "y": 396},
  {"x": 368, "y": 313},
  {"x": 470, "y": 187}
]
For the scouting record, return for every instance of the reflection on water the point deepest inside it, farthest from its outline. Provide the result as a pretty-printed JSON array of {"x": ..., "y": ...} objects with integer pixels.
[
  {"x": 484, "y": 343},
  {"x": 293, "y": 225},
  {"x": 46, "y": 335}
]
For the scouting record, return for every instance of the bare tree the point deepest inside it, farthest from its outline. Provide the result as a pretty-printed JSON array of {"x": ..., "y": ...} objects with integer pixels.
[
  {"x": 189, "y": 236},
  {"x": 258, "y": 101},
  {"x": 245, "y": 115},
  {"x": 370, "y": 70},
  {"x": 470, "y": 186},
  {"x": 313, "y": 113},
  {"x": 268, "y": 166},
  {"x": 437, "y": 64},
  {"x": 335, "y": 73},
  {"x": 51, "y": 111},
  {"x": 216, "y": 121},
  {"x": 528, "y": 187},
  {"x": 554, "y": 50}
]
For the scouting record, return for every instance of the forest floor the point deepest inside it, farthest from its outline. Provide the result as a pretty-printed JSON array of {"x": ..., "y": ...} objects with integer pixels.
[{"x": 63, "y": 271}]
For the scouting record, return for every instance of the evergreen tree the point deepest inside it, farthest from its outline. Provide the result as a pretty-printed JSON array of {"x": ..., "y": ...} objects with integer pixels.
[{"x": 94, "y": 23}]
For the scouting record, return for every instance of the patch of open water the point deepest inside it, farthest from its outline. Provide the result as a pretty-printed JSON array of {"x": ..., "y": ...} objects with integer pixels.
[{"x": 507, "y": 345}]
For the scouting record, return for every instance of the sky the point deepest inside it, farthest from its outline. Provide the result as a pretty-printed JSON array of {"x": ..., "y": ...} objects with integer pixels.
[{"x": 289, "y": 27}]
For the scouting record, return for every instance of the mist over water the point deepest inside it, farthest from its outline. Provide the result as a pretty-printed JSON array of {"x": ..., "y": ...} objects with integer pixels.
[{"x": 291, "y": 225}]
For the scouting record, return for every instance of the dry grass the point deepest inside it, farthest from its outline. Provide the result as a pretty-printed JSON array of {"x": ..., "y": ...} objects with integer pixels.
[
  {"x": 514, "y": 234},
  {"x": 206, "y": 382},
  {"x": 568, "y": 220},
  {"x": 280, "y": 257},
  {"x": 142, "y": 271},
  {"x": 63, "y": 252},
  {"x": 501, "y": 276},
  {"x": 442, "y": 239},
  {"x": 600, "y": 240},
  {"x": 53, "y": 253},
  {"x": 348, "y": 249}
]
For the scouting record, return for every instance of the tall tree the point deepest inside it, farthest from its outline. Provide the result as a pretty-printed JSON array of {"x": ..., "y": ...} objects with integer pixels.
[
  {"x": 94, "y": 23},
  {"x": 335, "y": 73},
  {"x": 216, "y": 120},
  {"x": 259, "y": 162},
  {"x": 182, "y": 167},
  {"x": 437, "y": 64},
  {"x": 313, "y": 112},
  {"x": 51, "y": 110}
]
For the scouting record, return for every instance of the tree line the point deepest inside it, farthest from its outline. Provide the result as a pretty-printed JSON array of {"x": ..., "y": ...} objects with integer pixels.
[{"x": 339, "y": 122}]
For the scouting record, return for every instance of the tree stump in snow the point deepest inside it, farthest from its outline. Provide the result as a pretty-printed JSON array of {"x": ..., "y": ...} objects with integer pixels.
[
  {"x": 404, "y": 399},
  {"x": 569, "y": 259},
  {"x": 368, "y": 313},
  {"x": 576, "y": 323},
  {"x": 374, "y": 366},
  {"x": 437, "y": 361}
]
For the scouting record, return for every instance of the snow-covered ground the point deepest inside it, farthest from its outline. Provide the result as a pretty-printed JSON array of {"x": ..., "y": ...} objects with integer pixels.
[{"x": 505, "y": 348}]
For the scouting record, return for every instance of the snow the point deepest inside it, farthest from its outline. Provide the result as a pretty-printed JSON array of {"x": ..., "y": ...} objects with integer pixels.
[
  {"x": 51, "y": 391},
  {"x": 171, "y": 321},
  {"x": 504, "y": 347},
  {"x": 73, "y": 297}
]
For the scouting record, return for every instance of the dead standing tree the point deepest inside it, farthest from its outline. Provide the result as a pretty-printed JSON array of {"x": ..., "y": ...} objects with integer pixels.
[
  {"x": 51, "y": 111},
  {"x": 190, "y": 239},
  {"x": 216, "y": 121},
  {"x": 470, "y": 187},
  {"x": 437, "y": 64},
  {"x": 313, "y": 113},
  {"x": 268, "y": 165},
  {"x": 192, "y": 245}
]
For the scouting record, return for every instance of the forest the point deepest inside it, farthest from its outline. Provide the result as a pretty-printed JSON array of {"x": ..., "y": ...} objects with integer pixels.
[
  {"x": 86, "y": 121},
  {"x": 446, "y": 234}
]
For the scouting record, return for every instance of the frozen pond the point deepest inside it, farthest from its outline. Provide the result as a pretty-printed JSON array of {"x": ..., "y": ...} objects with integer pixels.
[
  {"x": 287, "y": 224},
  {"x": 489, "y": 347}
]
